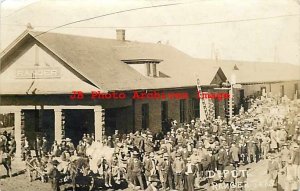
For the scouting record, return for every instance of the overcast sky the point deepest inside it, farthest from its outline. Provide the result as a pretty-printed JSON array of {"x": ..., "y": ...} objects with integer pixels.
[{"x": 251, "y": 30}]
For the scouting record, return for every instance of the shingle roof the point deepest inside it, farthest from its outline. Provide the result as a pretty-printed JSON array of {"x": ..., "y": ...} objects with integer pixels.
[
  {"x": 257, "y": 72},
  {"x": 100, "y": 61}
]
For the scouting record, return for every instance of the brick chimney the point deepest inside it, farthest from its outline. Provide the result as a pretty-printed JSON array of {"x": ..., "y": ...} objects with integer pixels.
[{"x": 120, "y": 34}]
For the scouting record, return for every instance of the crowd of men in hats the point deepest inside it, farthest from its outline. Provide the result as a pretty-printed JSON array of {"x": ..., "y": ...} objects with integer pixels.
[
  {"x": 198, "y": 153},
  {"x": 7, "y": 143}
]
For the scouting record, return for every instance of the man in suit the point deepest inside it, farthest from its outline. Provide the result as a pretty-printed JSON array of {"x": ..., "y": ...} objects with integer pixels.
[
  {"x": 148, "y": 166},
  {"x": 166, "y": 172},
  {"x": 285, "y": 155},
  {"x": 222, "y": 158},
  {"x": 148, "y": 144},
  {"x": 273, "y": 168},
  {"x": 104, "y": 167},
  {"x": 116, "y": 135},
  {"x": 178, "y": 169},
  {"x": 54, "y": 175},
  {"x": 228, "y": 175},
  {"x": 234, "y": 154},
  {"x": 44, "y": 147},
  {"x": 190, "y": 171},
  {"x": 38, "y": 146},
  {"x": 136, "y": 171}
]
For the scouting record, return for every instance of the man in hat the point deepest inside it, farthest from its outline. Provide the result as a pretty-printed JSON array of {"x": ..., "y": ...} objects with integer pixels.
[
  {"x": 136, "y": 171},
  {"x": 273, "y": 140},
  {"x": 70, "y": 146},
  {"x": 149, "y": 146},
  {"x": 38, "y": 146},
  {"x": 137, "y": 139},
  {"x": 265, "y": 145},
  {"x": 178, "y": 170},
  {"x": 166, "y": 172},
  {"x": 109, "y": 142},
  {"x": 228, "y": 176},
  {"x": 273, "y": 169},
  {"x": 155, "y": 160},
  {"x": 44, "y": 148},
  {"x": 190, "y": 171},
  {"x": 54, "y": 175},
  {"x": 234, "y": 154},
  {"x": 12, "y": 146},
  {"x": 174, "y": 124},
  {"x": 89, "y": 139},
  {"x": 192, "y": 126},
  {"x": 105, "y": 168},
  {"x": 116, "y": 135},
  {"x": 81, "y": 149},
  {"x": 222, "y": 158},
  {"x": 148, "y": 165},
  {"x": 153, "y": 186},
  {"x": 206, "y": 161},
  {"x": 285, "y": 155}
]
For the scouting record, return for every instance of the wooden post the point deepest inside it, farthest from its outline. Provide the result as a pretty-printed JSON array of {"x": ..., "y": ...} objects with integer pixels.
[
  {"x": 18, "y": 133},
  {"x": 99, "y": 123},
  {"x": 58, "y": 125}
]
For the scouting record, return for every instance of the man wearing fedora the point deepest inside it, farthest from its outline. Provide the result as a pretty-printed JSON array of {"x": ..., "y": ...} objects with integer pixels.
[
  {"x": 136, "y": 170},
  {"x": 44, "y": 148},
  {"x": 273, "y": 168},
  {"x": 147, "y": 162},
  {"x": 166, "y": 172},
  {"x": 178, "y": 170},
  {"x": 54, "y": 175},
  {"x": 285, "y": 155},
  {"x": 190, "y": 172}
]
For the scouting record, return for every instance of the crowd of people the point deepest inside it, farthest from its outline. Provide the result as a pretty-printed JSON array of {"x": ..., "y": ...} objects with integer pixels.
[{"x": 194, "y": 154}]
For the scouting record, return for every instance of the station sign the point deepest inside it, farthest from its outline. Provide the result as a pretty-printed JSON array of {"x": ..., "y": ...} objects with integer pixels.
[{"x": 38, "y": 73}]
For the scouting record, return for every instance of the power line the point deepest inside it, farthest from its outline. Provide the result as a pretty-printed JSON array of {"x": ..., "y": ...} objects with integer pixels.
[
  {"x": 108, "y": 14},
  {"x": 169, "y": 25},
  {"x": 14, "y": 12}
]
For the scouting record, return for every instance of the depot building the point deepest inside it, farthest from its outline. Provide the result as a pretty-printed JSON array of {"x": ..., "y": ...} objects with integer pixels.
[{"x": 41, "y": 71}]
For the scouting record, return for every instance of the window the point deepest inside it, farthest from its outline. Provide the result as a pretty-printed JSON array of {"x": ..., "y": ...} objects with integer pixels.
[
  {"x": 151, "y": 69},
  {"x": 145, "y": 116},
  {"x": 148, "y": 69},
  {"x": 182, "y": 110},
  {"x": 263, "y": 91},
  {"x": 296, "y": 90},
  {"x": 164, "y": 110},
  {"x": 282, "y": 90},
  {"x": 154, "y": 72},
  {"x": 196, "y": 107}
]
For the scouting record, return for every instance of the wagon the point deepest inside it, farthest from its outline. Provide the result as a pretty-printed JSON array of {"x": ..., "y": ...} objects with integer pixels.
[{"x": 34, "y": 169}]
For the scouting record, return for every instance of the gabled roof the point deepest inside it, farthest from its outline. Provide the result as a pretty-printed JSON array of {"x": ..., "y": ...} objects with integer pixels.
[
  {"x": 259, "y": 72},
  {"x": 100, "y": 61}
]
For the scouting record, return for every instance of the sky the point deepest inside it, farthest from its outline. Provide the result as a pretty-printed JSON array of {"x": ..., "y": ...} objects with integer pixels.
[{"x": 247, "y": 30}]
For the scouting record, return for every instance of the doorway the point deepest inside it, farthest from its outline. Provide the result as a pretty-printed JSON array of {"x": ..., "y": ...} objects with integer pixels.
[
  {"x": 78, "y": 122},
  {"x": 40, "y": 123}
]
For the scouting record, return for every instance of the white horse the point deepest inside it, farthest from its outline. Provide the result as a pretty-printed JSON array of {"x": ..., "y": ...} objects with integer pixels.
[{"x": 95, "y": 152}]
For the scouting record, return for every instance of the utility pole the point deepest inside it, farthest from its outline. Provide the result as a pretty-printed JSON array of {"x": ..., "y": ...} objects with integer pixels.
[{"x": 232, "y": 82}]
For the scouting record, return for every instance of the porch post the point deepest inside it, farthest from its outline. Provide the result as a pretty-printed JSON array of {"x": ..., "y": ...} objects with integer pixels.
[
  {"x": 99, "y": 123},
  {"x": 58, "y": 125},
  {"x": 18, "y": 133}
]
